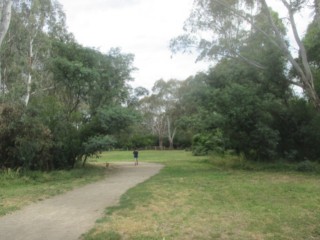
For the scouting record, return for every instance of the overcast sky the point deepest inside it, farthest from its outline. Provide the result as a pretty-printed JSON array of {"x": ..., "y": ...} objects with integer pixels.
[{"x": 141, "y": 27}]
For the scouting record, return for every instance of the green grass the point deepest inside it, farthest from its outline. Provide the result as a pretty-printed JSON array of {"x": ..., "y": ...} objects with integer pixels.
[
  {"x": 201, "y": 198},
  {"x": 18, "y": 190}
]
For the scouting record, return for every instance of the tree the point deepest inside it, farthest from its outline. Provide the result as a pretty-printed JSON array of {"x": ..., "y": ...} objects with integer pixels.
[
  {"x": 236, "y": 102},
  {"x": 27, "y": 47},
  {"x": 5, "y": 17},
  {"x": 313, "y": 49},
  {"x": 160, "y": 110},
  {"x": 75, "y": 73},
  {"x": 229, "y": 23},
  {"x": 135, "y": 95},
  {"x": 153, "y": 117},
  {"x": 60, "y": 101},
  {"x": 167, "y": 94},
  {"x": 92, "y": 86}
]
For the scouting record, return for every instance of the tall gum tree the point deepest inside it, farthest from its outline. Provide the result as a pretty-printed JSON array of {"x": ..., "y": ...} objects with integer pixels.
[
  {"x": 5, "y": 17},
  {"x": 219, "y": 27},
  {"x": 39, "y": 20},
  {"x": 161, "y": 111}
]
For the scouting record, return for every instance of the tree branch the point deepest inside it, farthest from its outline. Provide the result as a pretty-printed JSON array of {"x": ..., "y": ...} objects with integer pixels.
[
  {"x": 284, "y": 46},
  {"x": 303, "y": 52},
  {"x": 249, "y": 20}
]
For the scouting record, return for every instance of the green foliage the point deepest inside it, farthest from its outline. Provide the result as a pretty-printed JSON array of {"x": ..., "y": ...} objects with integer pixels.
[
  {"x": 299, "y": 130},
  {"x": 307, "y": 166},
  {"x": 312, "y": 44},
  {"x": 75, "y": 95},
  {"x": 33, "y": 145},
  {"x": 9, "y": 129},
  {"x": 25, "y": 141},
  {"x": 248, "y": 121},
  {"x": 114, "y": 119},
  {"x": 97, "y": 144},
  {"x": 57, "y": 130},
  {"x": 247, "y": 94},
  {"x": 213, "y": 142},
  {"x": 67, "y": 145},
  {"x": 313, "y": 50}
]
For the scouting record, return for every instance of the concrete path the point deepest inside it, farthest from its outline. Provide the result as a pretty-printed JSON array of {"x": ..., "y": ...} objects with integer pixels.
[{"x": 68, "y": 216}]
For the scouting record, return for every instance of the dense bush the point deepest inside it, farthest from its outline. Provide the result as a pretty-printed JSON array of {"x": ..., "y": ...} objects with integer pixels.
[
  {"x": 42, "y": 137},
  {"x": 24, "y": 141},
  {"x": 212, "y": 142},
  {"x": 307, "y": 166},
  {"x": 299, "y": 130}
]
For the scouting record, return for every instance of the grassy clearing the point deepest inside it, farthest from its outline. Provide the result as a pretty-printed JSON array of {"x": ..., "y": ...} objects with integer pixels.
[
  {"x": 197, "y": 198},
  {"x": 18, "y": 190}
]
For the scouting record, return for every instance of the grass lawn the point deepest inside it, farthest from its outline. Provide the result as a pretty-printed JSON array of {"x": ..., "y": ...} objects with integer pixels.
[
  {"x": 198, "y": 198},
  {"x": 18, "y": 190}
]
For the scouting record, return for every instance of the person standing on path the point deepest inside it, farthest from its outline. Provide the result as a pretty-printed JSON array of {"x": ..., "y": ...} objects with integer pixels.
[{"x": 135, "y": 156}]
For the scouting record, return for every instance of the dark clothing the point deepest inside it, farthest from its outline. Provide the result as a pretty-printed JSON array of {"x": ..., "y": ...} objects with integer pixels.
[{"x": 135, "y": 155}]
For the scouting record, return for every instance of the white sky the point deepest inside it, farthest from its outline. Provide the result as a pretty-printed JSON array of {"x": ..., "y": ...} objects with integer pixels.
[{"x": 141, "y": 27}]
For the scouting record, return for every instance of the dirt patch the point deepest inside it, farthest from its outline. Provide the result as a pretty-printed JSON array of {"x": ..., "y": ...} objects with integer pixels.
[{"x": 69, "y": 215}]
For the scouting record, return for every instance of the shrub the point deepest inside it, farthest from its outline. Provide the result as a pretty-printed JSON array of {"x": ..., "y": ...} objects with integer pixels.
[
  {"x": 307, "y": 166},
  {"x": 24, "y": 140},
  {"x": 202, "y": 144}
]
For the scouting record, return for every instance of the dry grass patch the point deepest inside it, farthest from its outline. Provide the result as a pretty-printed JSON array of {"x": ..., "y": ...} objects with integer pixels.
[{"x": 196, "y": 199}]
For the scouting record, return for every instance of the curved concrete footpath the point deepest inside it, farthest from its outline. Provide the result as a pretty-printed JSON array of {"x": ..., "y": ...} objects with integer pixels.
[{"x": 69, "y": 215}]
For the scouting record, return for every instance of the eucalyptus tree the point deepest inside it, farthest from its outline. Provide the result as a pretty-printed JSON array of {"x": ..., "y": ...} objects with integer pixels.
[
  {"x": 72, "y": 95},
  {"x": 313, "y": 48},
  {"x": 135, "y": 95},
  {"x": 27, "y": 46},
  {"x": 5, "y": 17},
  {"x": 153, "y": 117},
  {"x": 235, "y": 100},
  {"x": 167, "y": 93},
  {"x": 220, "y": 28},
  {"x": 115, "y": 69},
  {"x": 160, "y": 110}
]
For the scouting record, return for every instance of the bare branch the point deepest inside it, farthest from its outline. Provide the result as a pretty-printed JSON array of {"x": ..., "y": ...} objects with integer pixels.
[{"x": 303, "y": 52}]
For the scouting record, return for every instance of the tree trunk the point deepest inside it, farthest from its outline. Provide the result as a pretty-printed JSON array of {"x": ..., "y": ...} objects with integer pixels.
[
  {"x": 171, "y": 144},
  {"x": 29, "y": 80},
  {"x": 160, "y": 143},
  {"x": 5, "y": 17},
  {"x": 317, "y": 10},
  {"x": 171, "y": 135},
  {"x": 84, "y": 161}
]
